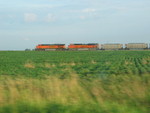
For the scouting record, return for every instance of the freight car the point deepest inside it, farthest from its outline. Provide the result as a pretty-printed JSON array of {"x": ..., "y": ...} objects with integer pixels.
[
  {"x": 50, "y": 47},
  {"x": 134, "y": 46},
  {"x": 89, "y": 46},
  {"x": 112, "y": 47}
]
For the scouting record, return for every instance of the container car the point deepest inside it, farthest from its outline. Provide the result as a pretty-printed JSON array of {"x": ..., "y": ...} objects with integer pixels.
[
  {"x": 134, "y": 46},
  {"x": 89, "y": 46},
  {"x": 50, "y": 47},
  {"x": 112, "y": 46}
]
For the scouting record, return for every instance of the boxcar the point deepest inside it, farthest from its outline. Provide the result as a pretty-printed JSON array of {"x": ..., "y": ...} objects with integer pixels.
[
  {"x": 131, "y": 46},
  {"x": 112, "y": 46}
]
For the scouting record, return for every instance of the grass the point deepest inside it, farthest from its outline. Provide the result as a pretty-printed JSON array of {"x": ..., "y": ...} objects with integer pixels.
[
  {"x": 85, "y": 63},
  {"x": 128, "y": 94},
  {"x": 75, "y": 82}
]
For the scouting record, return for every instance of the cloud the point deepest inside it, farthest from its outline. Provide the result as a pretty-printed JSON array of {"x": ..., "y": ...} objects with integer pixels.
[
  {"x": 82, "y": 17},
  {"x": 26, "y": 39},
  {"x": 50, "y": 18},
  {"x": 86, "y": 10},
  {"x": 30, "y": 17},
  {"x": 88, "y": 13},
  {"x": 89, "y": 10},
  {"x": 11, "y": 16}
]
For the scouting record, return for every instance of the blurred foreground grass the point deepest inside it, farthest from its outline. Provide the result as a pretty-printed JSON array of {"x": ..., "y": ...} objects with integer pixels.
[{"x": 116, "y": 94}]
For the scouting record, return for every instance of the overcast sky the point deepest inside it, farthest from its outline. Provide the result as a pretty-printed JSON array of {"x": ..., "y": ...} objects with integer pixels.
[{"x": 26, "y": 23}]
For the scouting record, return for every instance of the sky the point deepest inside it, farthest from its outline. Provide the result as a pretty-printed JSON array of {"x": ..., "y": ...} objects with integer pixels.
[{"x": 26, "y": 23}]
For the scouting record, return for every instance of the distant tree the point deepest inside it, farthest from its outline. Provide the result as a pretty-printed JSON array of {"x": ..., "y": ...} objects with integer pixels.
[{"x": 27, "y": 49}]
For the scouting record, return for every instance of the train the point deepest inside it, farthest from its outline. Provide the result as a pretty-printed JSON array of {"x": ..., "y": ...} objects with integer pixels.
[{"x": 92, "y": 46}]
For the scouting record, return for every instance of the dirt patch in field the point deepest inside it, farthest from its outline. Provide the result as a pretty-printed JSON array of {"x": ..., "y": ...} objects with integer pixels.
[
  {"x": 146, "y": 61},
  {"x": 128, "y": 62},
  {"x": 93, "y": 62},
  {"x": 68, "y": 64},
  {"x": 29, "y": 65},
  {"x": 47, "y": 65},
  {"x": 108, "y": 63}
]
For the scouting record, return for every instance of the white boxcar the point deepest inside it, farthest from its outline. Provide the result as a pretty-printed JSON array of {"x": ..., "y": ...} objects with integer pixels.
[
  {"x": 136, "y": 46},
  {"x": 112, "y": 46}
]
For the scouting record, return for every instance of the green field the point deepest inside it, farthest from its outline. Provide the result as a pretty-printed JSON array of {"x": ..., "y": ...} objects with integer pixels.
[{"x": 75, "y": 82}]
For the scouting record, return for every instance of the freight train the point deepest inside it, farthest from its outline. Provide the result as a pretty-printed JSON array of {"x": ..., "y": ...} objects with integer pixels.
[{"x": 92, "y": 46}]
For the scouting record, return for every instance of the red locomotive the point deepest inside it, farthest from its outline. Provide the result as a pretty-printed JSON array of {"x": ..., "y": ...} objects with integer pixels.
[
  {"x": 90, "y": 46},
  {"x": 50, "y": 47}
]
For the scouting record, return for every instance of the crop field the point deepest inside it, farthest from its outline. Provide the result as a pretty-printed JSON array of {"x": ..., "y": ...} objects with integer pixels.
[{"x": 74, "y": 81}]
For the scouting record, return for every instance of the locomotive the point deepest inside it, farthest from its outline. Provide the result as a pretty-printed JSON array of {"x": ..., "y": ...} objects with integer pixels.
[
  {"x": 91, "y": 46},
  {"x": 50, "y": 47}
]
